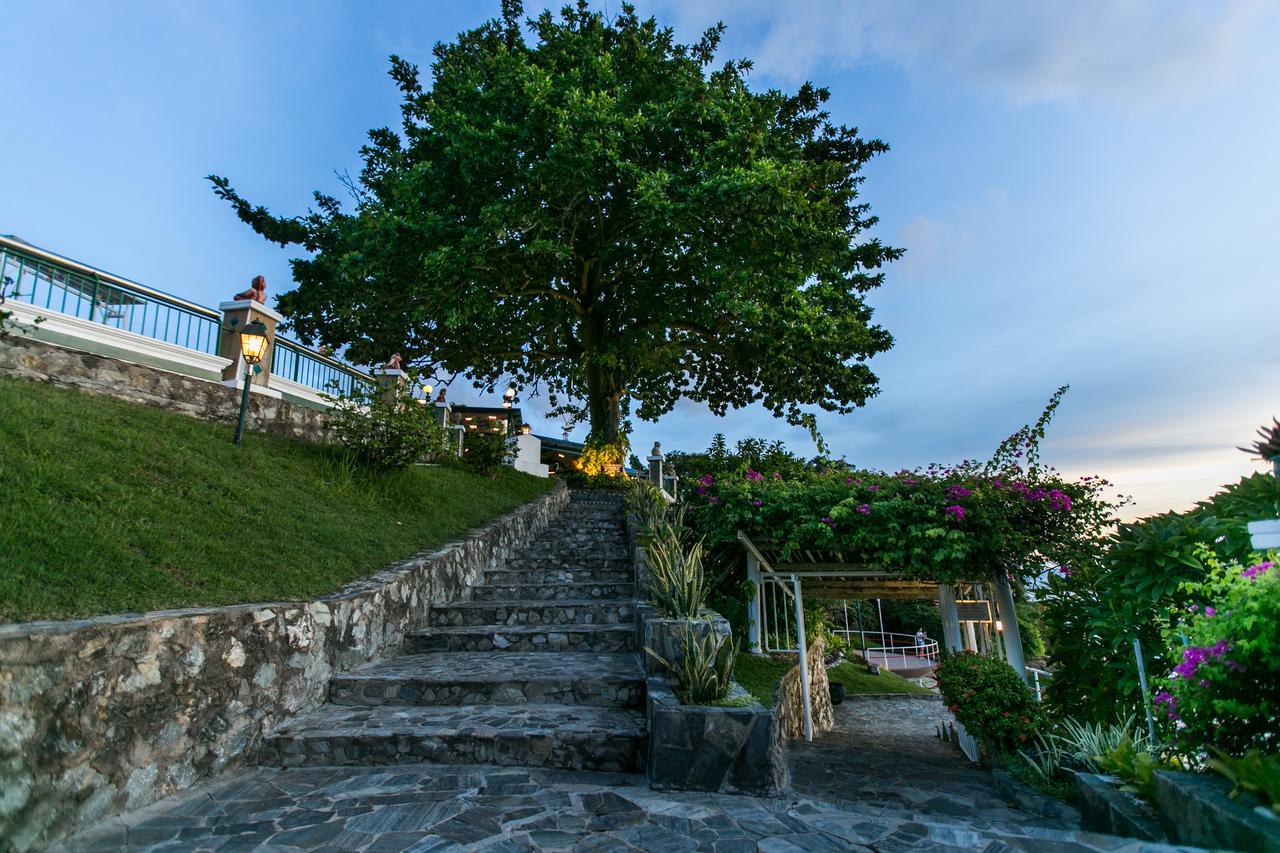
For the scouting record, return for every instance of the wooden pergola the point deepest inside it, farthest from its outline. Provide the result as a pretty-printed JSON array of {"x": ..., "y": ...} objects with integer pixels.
[{"x": 834, "y": 574}]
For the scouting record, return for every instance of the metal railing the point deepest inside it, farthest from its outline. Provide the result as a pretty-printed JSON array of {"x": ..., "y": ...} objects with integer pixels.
[
  {"x": 296, "y": 363},
  {"x": 1037, "y": 677},
  {"x": 89, "y": 295},
  {"x": 896, "y": 651}
]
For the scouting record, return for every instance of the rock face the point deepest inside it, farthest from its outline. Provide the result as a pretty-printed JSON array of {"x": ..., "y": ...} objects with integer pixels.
[
  {"x": 789, "y": 707},
  {"x": 25, "y": 358},
  {"x": 538, "y": 669},
  {"x": 102, "y": 715}
]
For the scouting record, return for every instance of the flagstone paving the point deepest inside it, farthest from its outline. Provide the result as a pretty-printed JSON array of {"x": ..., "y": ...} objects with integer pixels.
[{"x": 440, "y": 808}]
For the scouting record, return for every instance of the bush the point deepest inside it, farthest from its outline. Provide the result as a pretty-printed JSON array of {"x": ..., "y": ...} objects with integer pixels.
[
  {"x": 1225, "y": 691},
  {"x": 385, "y": 429},
  {"x": 485, "y": 451},
  {"x": 989, "y": 699}
]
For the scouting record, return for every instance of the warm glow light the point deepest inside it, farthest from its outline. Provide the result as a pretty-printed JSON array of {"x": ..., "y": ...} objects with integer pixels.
[
  {"x": 999, "y": 625},
  {"x": 510, "y": 392},
  {"x": 525, "y": 429},
  {"x": 253, "y": 342},
  {"x": 426, "y": 389}
]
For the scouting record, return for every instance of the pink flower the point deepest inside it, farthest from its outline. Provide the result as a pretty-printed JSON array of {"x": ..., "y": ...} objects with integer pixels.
[
  {"x": 754, "y": 476},
  {"x": 1065, "y": 571},
  {"x": 958, "y": 492},
  {"x": 829, "y": 521},
  {"x": 1253, "y": 571},
  {"x": 956, "y": 512},
  {"x": 713, "y": 500},
  {"x": 777, "y": 476},
  {"x": 873, "y": 488},
  {"x": 1059, "y": 500},
  {"x": 706, "y": 480},
  {"x": 848, "y": 481},
  {"x": 1209, "y": 611},
  {"x": 757, "y": 503},
  {"x": 865, "y": 509}
]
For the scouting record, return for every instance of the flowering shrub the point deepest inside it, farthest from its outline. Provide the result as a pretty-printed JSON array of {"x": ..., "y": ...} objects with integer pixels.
[
  {"x": 1225, "y": 689},
  {"x": 989, "y": 699},
  {"x": 386, "y": 430}
]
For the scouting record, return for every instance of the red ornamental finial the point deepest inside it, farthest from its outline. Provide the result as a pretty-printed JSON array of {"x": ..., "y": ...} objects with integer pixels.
[{"x": 257, "y": 290}]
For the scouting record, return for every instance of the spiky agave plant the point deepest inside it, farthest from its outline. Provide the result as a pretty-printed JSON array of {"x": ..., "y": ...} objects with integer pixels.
[
  {"x": 677, "y": 580},
  {"x": 1268, "y": 445},
  {"x": 649, "y": 507},
  {"x": 704, "y": 670}
]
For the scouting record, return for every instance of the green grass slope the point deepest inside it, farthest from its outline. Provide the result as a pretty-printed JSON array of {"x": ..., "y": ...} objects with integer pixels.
[
  {"x": 110, "y": 507},
  {"x": 760, "y": 676}
]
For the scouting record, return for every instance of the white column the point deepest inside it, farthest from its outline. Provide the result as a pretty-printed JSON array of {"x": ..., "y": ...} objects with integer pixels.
[
  {"x": 1007, "y": 615},
  {"x": 804, "y": 659},
  {"x": 950, "y": 625},
  {"x": 753, "y": 607}
]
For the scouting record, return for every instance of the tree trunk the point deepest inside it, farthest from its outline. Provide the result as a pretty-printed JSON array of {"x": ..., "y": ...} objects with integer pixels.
[{"x": 604, "y": 405}]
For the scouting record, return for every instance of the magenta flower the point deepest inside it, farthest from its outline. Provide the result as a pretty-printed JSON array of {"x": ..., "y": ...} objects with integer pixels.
[
  {"x": 700, "y": 491},
  {"x": 865, "y": 509},
  {"x": 1060, "y": 500},
  {"x": 757, "y": 503},
  {"x": 1209, "y": 611},
  {"x": 956, "y": 512},
  {"x": 958, "y": 492},
  {"x": 1065, "y": 571},
  {"x": 777, "y": 476},
  {"x": 873, "y": 488},
  {"x": 1168, "y": 702},
  {"x": 1253, "y": 571},
  {"x": 754, "y": 476},
  {"x": 848, "y": 481},
  {"x": 829, "y": 521},
  {"x": 706, "y": 480}
]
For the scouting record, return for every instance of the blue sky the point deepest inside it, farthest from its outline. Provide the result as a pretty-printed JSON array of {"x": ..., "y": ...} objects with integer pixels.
[{"x": 1089, "y": 193}]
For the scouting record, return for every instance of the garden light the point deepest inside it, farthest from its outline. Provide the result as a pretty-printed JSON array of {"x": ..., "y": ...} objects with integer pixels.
[{"x": 253, "y": 347}]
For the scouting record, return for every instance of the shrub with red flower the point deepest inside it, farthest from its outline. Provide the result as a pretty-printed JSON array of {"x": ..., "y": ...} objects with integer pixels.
[{"x": 989, "y": 699}]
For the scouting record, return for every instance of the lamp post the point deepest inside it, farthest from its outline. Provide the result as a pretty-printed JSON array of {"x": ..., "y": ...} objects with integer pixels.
[{"x": 253, "y": 347}]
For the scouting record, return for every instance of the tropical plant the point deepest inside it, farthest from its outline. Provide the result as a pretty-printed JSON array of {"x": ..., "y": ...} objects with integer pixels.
[
  {"x": 1046, "y": 760},
  {"x": 1225, "y": 690},
  {"x": 486, "y": 451},
  {"x": 704, "y": 669},
  {"x": 386, "y": 428},
  {"x": 1084, "y": 743},
  {"x": 649, "y": 507},
  {"x": 582, "y": 201},
  {"x": 1255, "y": 772},
  {"x": 989, "y": 699},
  {"x": 1268, "y": 444},
  {"x": 1133, "y": 765},
  {"x": 677, "y": 581}
]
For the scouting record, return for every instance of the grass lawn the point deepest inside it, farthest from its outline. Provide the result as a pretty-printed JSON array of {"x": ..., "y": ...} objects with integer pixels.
[
  {"x": 760, "y": 676},
  {"x": 110, "y": 507}
]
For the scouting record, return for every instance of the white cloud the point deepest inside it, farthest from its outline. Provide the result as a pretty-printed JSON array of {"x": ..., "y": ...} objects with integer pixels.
[{"x": 1131, "y": 51}]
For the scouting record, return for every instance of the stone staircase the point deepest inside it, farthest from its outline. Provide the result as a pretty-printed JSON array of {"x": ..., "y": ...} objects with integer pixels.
[{"x": 539, "y": 669}]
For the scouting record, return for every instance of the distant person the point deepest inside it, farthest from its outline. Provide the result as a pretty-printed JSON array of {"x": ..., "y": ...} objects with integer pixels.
[{"x": 921, "y": 639}]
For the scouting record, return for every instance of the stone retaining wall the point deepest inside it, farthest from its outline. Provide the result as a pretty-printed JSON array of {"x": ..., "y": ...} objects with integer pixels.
[
  {"x": 104, "y": 715},
  {"x": 788, "y": 710},
  {"x": 25, "y": 358}
]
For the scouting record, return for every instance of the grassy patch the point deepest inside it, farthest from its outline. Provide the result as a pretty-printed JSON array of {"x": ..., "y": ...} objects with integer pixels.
[
  {"x": 110, "y": 507},
  {"x": 760, "y": 675},
  {"x": 856, "y": 679}
]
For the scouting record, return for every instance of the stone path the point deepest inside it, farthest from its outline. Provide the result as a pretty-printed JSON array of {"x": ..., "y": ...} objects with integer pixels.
[
  {"x": 538, "y": 669},
  {"x": 426, "y": 807}
]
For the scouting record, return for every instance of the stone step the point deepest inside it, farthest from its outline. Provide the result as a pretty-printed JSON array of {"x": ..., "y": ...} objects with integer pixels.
[
  {"x": 570, "y": 737},
  {"x": 589, "y": 549},
  {"x": 509, "y": 613},
  {"x": 556, "y": 561},
  {"x": 554, "y": 591},
  {"x": 524, "y": 638},
  {"x": 486, "y": 678},
  {"x": 560, "y": 575}
]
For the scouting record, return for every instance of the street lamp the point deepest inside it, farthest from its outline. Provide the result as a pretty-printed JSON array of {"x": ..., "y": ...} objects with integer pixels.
[
  {"x": 253, "y": 346},
  {"x": 509, "y": 396}
]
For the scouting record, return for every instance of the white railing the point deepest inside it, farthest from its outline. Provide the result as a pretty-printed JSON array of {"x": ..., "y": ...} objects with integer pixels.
[
  {"x": 901, "y": 651},
  {"x": 1037, "y": 677}
]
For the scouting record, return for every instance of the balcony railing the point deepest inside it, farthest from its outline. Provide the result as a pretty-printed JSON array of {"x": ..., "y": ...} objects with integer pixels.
[
  {"x": 296, "y": 363},
  {"x": 89, "y": 295}
]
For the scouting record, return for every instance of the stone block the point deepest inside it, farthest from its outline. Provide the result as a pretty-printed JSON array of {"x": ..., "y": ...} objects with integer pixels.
[
  {"x": 731, "y": 750},
  {"x": 1195, "y": 809},
  {"x": 666, "y": 636}
]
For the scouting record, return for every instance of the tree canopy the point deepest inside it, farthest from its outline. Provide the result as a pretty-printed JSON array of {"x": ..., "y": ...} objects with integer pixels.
[{"x": 586, "y": 206}]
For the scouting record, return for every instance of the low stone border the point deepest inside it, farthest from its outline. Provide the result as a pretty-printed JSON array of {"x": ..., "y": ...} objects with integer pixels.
[
  {"x": 1105, "y": 808},
  {"x": 871, "y": 697},
  {"x": 730, "y": 750},
  {"x": 1195, "y": 809},
  {"x": 1025, "y": 798},
  {"x": 104, "y": 715}
]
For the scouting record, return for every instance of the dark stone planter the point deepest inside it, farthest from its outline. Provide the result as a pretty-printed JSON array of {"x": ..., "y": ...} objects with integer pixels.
[
  {"x": 666, "y": 636},
  {"x": 837, "y": 693},
  {"x": 1105, "y": 808},
  {"x": 1195, "y": 809},
  {"x": 709, "y": 748}
]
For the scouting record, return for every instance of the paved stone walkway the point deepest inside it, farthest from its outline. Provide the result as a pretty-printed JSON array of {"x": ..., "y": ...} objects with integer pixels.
[{"x": 425, "y": 808}]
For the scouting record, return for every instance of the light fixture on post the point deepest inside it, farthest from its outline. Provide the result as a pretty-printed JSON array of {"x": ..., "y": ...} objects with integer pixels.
[
  {"x": 526, "y": 429},
  {"x": 253, "y": 348},
  {"x": 509, "y": 396}
]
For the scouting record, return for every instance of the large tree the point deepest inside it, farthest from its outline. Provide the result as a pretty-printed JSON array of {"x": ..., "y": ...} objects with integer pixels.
[{"x": 582, "y": 203}]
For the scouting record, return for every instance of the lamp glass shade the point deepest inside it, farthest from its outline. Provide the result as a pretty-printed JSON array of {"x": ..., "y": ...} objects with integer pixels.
[
  {"x": 253, "y": 342},
  {"x": 510, "y": 392}
]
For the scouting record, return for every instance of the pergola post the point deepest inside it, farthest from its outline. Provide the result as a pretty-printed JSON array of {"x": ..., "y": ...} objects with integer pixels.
[
  {"x": 753, "y": 606},
  {"x": 950, "y": 620},
  {"x": 1009, "y": 618},
  {"x": 798, "y": 595}
]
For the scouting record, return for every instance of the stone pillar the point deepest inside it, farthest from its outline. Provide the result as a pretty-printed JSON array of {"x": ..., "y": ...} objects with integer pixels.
[
  {"x": 671, "y": 482},
  {"x": 950, "y": 623},
  {"x": 391, "y": 379},
  {"x": 237, "y": 314},
  {"x": 655, "y": 465},
  {"x": 1012, "y": 636}
]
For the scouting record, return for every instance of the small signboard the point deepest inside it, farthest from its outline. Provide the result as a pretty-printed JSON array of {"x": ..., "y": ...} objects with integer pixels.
[{"x": 973, "y": 611}]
